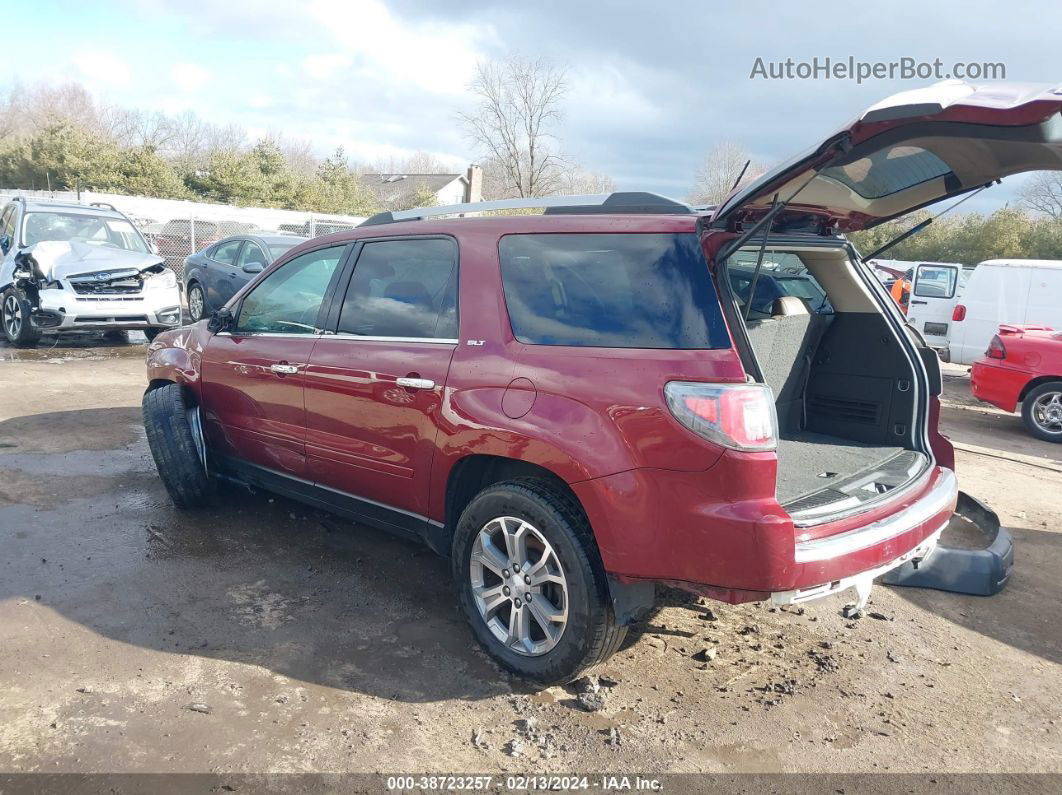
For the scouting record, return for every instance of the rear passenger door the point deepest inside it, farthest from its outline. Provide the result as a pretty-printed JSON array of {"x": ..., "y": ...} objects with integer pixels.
[
  {"x": 374, "y": 387},
  {"x": 220, "y": 265}
]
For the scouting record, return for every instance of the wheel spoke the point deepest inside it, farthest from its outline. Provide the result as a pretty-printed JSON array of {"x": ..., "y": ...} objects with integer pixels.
[
  {"x": 545, "y": 571},
  {"x": 551, "y": 619},
  {"x": 491, "y": 599},
  {"x": 489, "y": 555},
  {"x": 520, "y": 629},
  {"x": 516, "y": 543}
]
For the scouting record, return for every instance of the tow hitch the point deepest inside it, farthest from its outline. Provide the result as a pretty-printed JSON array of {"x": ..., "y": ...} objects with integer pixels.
[{"x": 970, "y": 568}]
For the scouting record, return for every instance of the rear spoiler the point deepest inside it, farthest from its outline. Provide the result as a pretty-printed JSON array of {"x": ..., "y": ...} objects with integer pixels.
[{"x": 1009, "y": 328}]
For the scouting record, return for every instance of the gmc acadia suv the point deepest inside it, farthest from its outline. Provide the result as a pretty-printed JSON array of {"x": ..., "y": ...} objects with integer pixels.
[{"x": 619, "y": 392}]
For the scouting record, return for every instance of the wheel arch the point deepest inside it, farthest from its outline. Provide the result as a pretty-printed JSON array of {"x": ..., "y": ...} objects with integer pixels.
[
  {"x": 473, "y": 473},
  {"x": 1040, "y": 380}
]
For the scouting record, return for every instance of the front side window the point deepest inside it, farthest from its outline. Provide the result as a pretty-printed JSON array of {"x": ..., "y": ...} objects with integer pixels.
[
  {"x": 611, "y": 291},
  {"x": 225, "y": 253},
  {"x": 403, "y": 288},
  {"x": 252, "y": 254},
  {"x": 288, "y": 300},
  {"x": 92, "y": 229}
]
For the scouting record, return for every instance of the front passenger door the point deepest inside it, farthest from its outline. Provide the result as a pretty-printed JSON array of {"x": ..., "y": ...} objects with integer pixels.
[{"x": 253, "y": 374}]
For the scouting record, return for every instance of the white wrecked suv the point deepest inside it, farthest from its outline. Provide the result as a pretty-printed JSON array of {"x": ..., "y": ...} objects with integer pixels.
[{"x": 72, "y": 267}]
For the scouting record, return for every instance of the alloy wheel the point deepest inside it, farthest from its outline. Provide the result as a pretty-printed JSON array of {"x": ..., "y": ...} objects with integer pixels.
[
  {"x": 12, "y": 316},
  {"x": 1047, "y": 412},
  {"x": 195, "y": 303},
  {"x": 518, "y": 586}
]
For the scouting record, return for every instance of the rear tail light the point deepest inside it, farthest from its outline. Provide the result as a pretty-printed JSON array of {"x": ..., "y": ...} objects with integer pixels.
[
  {"x": 739, "y": 416},
  {"x": 958, "y": 313},
  {"x": 996, "y": 349}
]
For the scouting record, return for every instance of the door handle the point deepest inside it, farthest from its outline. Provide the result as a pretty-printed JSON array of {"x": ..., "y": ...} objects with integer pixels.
[
  {"x": 416, "y": 383},
  {"x": 919, "y": 302},
  {"x": 284, "y": 369}
]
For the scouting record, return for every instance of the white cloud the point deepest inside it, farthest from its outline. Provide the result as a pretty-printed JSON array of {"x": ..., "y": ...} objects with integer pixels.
[
  {"x": 323, "y": 65},
  {"x": 100, "y": 69},
  {"x": 189, "y": 77}
]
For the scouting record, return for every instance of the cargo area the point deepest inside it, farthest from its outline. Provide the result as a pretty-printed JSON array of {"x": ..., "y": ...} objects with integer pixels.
[{"x": 844, "y": 387}]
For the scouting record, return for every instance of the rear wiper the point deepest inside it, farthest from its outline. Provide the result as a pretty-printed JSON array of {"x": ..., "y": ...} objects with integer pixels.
[{"x": 914, "y": 230}]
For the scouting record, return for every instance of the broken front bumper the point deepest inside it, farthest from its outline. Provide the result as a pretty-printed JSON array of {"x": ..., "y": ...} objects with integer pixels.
[
  {"x": 933, "y": 563},
  {"x": 64, "y": 310}
]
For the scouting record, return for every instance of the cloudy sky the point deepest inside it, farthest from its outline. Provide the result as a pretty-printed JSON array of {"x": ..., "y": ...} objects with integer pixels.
[{"x": 652, "y": 85}]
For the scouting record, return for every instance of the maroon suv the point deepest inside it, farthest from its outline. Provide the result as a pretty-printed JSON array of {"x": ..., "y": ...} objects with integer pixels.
[{"x": 619, "y": 392}]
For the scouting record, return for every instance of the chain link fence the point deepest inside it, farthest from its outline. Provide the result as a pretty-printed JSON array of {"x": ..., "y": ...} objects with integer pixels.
[
  {"x": 177, "y": 239},
  {"x": 178, "y": 229}
]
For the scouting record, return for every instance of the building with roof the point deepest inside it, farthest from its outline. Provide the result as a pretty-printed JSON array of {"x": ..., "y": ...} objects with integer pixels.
[{"x": 403, "y": 191}]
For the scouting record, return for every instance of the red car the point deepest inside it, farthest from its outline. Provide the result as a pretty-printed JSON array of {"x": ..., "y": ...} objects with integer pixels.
[
  {"x": 577, "y": 406},
  {"x": 1023, "y": 364}
]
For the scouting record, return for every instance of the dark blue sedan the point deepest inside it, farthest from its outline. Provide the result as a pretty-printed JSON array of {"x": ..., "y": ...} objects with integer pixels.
[{"x": 212, "y": 276}]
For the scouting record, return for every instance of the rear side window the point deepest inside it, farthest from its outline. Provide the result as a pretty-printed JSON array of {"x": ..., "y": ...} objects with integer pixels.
[
  {"x": 611, "y": 291},
  {"x": 403, "y": 288}
]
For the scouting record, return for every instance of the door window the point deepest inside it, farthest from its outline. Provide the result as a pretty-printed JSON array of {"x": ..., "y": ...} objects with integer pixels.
[
  {"x": 289, "y": 299},
  {"x": 403, "y": 288},
  {"x": 225, "y": 253},
  {"x": 935, "y": 281},
  {"x": 252, "y": 254}
]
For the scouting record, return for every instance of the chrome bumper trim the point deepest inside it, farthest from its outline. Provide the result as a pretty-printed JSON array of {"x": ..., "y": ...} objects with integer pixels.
[{"x": 942, "y": 497}]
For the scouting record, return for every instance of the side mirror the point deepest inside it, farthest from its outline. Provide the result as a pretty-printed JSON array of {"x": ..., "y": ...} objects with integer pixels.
[
  {"x": 253, "y": 267},
  {"x": 220, "y": 319},
  {"x": 5, "y": 243}
]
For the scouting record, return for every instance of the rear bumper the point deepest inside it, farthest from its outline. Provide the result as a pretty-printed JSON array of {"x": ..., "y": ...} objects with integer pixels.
[
  {"x": 995, "y": 383},
  {"x": 698, "y": 531},
  {"x": 63, "y": 310}
]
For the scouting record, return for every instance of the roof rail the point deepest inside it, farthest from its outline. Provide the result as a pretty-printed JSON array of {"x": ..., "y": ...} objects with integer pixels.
[
  {"x": 19, "y": 198},
  {"x": 622, "y": 202},
  {"x": 104, "y": 205}
]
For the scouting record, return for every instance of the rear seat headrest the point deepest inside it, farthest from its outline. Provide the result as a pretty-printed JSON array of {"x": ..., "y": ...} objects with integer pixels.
[{"x": 789, "y": 305}]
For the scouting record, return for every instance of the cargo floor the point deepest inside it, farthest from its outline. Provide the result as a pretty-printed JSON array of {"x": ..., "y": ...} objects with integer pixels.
[{"x": 804, "y": 457}]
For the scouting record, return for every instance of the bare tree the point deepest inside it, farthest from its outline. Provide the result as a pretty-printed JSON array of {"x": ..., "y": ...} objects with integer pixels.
[
  {"x": 1043, "y": 193},
  {"x": 578, "y": 181},
  {"x": 519, "y": 102},
  {"x": 419, "y": 162},
  {"x": 719, "y": 171}
]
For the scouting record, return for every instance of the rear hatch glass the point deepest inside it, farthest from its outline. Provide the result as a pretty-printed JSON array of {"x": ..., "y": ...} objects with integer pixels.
[{"x": 611, "y": 291}]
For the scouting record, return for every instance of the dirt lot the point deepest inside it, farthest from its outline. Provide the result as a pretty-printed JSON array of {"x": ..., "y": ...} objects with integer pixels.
[{"x": 266, "y": 637}]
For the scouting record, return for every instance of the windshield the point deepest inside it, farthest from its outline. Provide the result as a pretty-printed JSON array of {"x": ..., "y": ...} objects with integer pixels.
[
  {"x": 92, "y": 229},
  {"x": 276, "y": 249}
]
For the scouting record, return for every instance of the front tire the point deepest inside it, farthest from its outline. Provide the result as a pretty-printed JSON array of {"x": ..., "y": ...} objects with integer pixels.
[
  {"x": 15, "y": 319},
  {"x": 1041, "y": 411},
  {"x": 172, "y": 439},
  {"x": 196, "y": 302},
  {"x": 151, "y": 333},
  {"x": 527, "y": 538}
]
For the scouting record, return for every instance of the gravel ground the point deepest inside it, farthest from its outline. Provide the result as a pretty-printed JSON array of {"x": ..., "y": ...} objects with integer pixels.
[{"x": 264, "y": 637}]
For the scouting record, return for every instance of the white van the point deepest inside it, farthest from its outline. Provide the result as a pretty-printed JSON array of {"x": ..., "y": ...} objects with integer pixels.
[
  {"x": 935, "y": 291},
  {"x": 1016, "y": 291}
]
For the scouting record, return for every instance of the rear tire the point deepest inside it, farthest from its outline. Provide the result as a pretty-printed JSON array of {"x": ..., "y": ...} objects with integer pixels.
[
  {"x": 553, "y": 527},
  {"x": 1041, "y": 411},
  {"x": 172, "y": 443},
  {"x": 15, "y": 319}
]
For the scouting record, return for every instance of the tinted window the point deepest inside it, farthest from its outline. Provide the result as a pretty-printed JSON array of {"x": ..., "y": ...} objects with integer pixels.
[
  {"x": 225, "y": 253},
  {"x": 611, "y": 291},
  {"x": 252, "y": 254},
  {"x": 403, "y": 288},
  {"x": 889, "y": 171},
  {"x": 288, "y": 300}
]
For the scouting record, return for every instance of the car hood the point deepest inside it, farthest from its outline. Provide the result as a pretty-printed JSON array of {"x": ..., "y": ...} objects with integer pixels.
[
  {"x": 906, "y": 152},
  {"x": 66, "y": 259}
]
